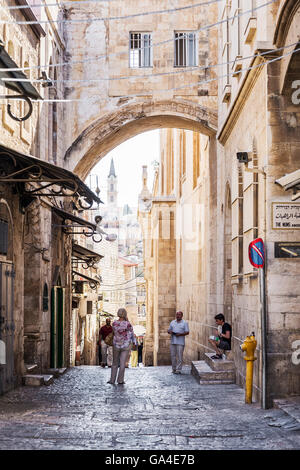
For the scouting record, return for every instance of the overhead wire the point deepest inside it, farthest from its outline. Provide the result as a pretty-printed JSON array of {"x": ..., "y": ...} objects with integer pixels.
[
  {"x": 151, "y": 75},
  {"x": 59, "y": 5},
  {"x": 106, "y": 56},
  {"x": 113, "y": 18},
  {"x": 175, "y": 88}
]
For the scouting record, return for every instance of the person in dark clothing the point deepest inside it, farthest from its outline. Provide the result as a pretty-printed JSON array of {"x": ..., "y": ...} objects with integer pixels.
[
  {"x": 106, "y": 350},
  {"x": 223, "y": 340},
  {"x": 140, "y": 351}
]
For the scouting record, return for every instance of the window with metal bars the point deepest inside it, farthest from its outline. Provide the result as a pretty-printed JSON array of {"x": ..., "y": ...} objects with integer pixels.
[
  {"x": 140, "y": 54},
  {"x": 185, "y": 49}
]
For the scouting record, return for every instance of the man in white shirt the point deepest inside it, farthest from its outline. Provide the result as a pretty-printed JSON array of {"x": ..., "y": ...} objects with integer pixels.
[{"x": 178, "y": 329}]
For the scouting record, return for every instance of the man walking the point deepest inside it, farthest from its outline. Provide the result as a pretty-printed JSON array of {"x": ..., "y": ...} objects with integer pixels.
[
  {"x": 106, "y": 351},
  {"x": 178, "y": 330}
]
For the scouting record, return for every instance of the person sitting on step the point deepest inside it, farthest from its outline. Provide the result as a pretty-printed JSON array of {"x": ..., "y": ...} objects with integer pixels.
[{"x": 223, "y": 340}]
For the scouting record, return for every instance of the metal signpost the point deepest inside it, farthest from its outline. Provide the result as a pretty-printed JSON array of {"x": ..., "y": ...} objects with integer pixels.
[{"x": 257, "y": 259}]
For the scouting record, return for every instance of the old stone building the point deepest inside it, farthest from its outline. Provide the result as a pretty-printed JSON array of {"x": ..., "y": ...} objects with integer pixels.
[
  {"x": 222, "y": 203},
  {"x": 179, "y": 267},
  {"x": 133, "y": 73},
  {"x": 36, "y": 277},
  {"x": 257, "y": 115}
]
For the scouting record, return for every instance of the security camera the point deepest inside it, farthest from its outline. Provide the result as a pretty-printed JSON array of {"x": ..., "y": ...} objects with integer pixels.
[
  {"x": 242, "y": 157},
  {"x": 98, "y": 219}
]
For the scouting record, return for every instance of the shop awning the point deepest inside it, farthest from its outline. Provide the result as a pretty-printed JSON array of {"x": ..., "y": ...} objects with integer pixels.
[
  {"x": 85, "y": 256},
  {"x": 24, "y": 89},
  {"x": 43, "y": 178},
  {"x": 31, "y": 14},
  {"x": 93, "y": 283},
  {"x": 78, "y": 221}
]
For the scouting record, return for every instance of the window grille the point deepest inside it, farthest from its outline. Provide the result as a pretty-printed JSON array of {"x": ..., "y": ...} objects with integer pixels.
[
  {"x": 140, "y": 50},
  {"x": 185, "y": 49}
]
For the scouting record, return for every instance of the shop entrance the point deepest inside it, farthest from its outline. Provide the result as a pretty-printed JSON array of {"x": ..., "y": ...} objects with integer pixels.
[
  {"x": 7, "y": 326},
  {"x": 57, "y": 327}
]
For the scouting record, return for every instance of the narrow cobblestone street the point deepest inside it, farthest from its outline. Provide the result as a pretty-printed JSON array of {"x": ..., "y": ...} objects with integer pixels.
[{"x": 153, "y": 410}]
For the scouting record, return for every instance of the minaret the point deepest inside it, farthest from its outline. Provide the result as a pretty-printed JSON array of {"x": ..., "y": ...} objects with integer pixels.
[{"x": 112, "y": 184}]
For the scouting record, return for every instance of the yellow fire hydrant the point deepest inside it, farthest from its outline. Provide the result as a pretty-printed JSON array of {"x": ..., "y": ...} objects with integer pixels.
[{"x": 249, "y": 346}]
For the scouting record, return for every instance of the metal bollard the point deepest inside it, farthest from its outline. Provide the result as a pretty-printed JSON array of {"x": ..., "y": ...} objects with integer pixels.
[{"x": 249, "y": 346}]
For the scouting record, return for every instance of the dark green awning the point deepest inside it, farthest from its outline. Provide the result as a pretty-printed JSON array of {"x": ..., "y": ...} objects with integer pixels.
[
  {"x": 16, "y": 167},
  {"x": 24, "y": 88}
]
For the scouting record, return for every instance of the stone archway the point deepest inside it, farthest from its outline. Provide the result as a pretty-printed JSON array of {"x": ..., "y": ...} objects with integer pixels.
[
  {"x": 112, "y": 129},
  {"x": 286, "y": 20}
]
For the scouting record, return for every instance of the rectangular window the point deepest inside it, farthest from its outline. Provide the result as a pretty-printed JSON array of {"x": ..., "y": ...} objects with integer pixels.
[
  {"x": 140, "y": 54},
  {"x": 185, "y": 49}
]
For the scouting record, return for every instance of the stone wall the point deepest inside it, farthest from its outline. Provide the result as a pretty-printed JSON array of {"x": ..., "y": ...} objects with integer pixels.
[{"x": 114, "y": 109}]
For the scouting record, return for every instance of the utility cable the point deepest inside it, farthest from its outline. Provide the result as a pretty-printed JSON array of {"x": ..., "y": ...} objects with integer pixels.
[
  {"x": 106, "y": 56},
  {"x": 159, "y": 74},
  {"x": 170, "y": 89},
  {"x": 112, "y": 18},
  {"x": 59, "y": 5}
]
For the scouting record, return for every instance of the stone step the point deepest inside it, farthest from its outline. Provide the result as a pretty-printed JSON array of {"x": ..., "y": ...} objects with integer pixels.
[
  {"x": 53, "y": 372},
  {"x": 56, "y": 372},
  {"x": 218, "y": 364},
  {"x": 35, "y": 380},
  {"x": 216, "y": 382},
  {"x": 205, "y": 375},
  {"x": 48, "y": 379},
  {"x": 31, "y": 368}
]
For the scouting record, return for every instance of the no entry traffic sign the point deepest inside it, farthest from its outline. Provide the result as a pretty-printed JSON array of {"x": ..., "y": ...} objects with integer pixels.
[{"x": 257, "y": 253}]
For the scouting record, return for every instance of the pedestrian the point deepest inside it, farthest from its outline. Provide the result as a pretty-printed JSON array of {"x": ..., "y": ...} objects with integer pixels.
[
  {"x": 178, "y": 330},
  {"x": 123, "y": 331},
  {"x": 140, "y": 351},
  {"x": 134, "y": 353},
  {"x": 223, "y": 340},
  {"x": 106, "y": 350}
]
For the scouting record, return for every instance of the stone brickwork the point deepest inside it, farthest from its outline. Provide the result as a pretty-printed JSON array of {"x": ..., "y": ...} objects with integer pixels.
[
  {"x": 261, "y": 110},
  {"x": 35, "y": 253},
  {"x": 115, "y": 109}
]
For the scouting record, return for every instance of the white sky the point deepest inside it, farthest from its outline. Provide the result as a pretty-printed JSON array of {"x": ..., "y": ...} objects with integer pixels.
[{"x": 129, "y": 158}]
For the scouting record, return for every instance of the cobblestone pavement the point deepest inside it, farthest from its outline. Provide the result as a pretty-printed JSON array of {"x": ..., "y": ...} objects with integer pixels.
[{"x": 155, "y": 409}]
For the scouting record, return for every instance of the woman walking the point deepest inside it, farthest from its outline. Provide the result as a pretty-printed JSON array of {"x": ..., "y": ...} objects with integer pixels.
[{"x": 123, "y": 332}]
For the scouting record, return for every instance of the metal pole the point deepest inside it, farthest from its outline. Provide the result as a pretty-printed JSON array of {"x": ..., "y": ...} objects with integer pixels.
[{"x": 263, "y": 335}]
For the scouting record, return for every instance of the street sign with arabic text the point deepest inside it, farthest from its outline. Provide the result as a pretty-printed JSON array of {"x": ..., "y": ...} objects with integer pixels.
[{"x": 286, "y": 215}]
